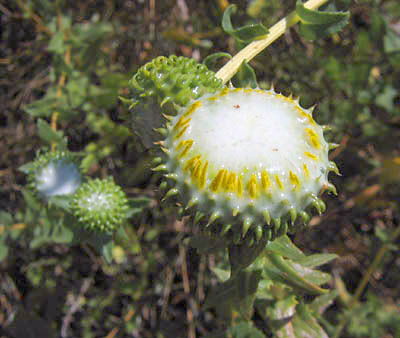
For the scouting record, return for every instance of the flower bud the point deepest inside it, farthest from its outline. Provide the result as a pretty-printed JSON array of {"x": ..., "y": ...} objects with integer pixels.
[{"x": 100, "y": 205}]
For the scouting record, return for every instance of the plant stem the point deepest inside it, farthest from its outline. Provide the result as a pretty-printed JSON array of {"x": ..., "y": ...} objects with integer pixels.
[
  {"x": 254, "y": 48},
  {"x": 364, "y": 281}
]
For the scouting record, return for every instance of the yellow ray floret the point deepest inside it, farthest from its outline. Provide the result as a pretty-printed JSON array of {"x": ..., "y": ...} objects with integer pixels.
[
  {"x": 253, "y": 186},
  {"x": 196, "y": 170},
  {"x": 203, "y": 176},
  {"x": 306, "y": 171},
  {"x": 192, "y": 108},
  {"x": 278, "y": 182},
  {"x": 312, "y": 156},
  {"x": 182, "y": 122},
  {"x": 265, "y": 180},
  {"x": 294, "y": 179},
  {"x": 231, "y": 184},
  {"x": 188, "y": 145},
  {"x": 179, "y": 135},
  {"x": 240, "y": 186},
  {"x": 191, "y": 163},
  {"x": 306, "y": 115},
  {"x": 314, "y": 139},
  {"x": 217, "y": 181}
]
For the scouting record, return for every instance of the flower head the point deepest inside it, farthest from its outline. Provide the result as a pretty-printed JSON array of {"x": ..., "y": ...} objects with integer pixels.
[
  {"x": 170, "y": 82},
  {"x": 100, "y": 205},
  {"x": 54, "y": 173},
  {"x": 253, "y": 163}
]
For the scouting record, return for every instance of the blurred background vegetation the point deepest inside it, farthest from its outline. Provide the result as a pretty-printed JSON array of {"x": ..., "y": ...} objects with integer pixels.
[{"x": 67, "y": 62}]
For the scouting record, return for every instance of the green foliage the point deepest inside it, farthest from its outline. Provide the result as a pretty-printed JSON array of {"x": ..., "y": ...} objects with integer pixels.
[
  {"x": 242, "y": 34},
  {"x": 66, "y": 64},
  {"x": 319, "y": 24}
]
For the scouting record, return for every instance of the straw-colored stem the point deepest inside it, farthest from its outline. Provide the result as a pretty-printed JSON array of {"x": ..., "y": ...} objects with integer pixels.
[{"x": 254, "y": 48}]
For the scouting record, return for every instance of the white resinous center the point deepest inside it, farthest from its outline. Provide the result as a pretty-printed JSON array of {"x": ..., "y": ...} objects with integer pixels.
[
  {"x": 58, "y": 178},
  {"x": 249, "y": 131}
]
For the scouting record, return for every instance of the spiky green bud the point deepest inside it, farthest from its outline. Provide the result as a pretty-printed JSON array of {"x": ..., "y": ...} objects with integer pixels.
[
  {"x": 253, "y": 161},
  {"x": 175, "y": 78},
  {"x": 100, "y": 205},
  {"x": 166, "y": 82},
  {"x": 54, "y": 173}
]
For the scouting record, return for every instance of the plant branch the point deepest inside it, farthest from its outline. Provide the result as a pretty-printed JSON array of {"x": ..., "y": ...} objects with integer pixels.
[{"x": 256, "y": 47}]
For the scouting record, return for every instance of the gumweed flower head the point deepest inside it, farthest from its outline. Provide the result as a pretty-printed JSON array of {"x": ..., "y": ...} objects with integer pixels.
[
  {"x": 100, "y": 205},
  {"x": 54, "y": 174},
  {"x": 249, "y": 164},
  {"x": 166, "y": 82}
]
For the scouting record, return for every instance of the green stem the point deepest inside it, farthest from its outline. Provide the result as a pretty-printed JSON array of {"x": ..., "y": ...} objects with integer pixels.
[
  {"x": 364, "y": 281},
  {"x": 254, "y": 48}
]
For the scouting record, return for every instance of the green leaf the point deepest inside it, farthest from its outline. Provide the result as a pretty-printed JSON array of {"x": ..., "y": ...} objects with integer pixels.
[
  {"x": 306, "y": 325},
  {"x": 285, "y": 247},
  {"x": 62, "y": 234},
  {"x": 57, "y": 43},
  {"x": 5, "y": 218},
  {"x": 316, "y": 260},
  {"x": 50, "y": 136},
  {"x": 31, "y": 201},
  {"x": 245, "y": 77},
  {"x": 318, "y": 17},
  {"x": 317, "y": 24},
  {"x": 320, "y": 303},
  {"x": 222, "y": 275},
  {"x": 210, "y": 60},
  {"x": 298, "y": 277},
  {"x": 3, "y": 250},
  {"x": 386, "y": 99},
  {"x": 245, "y": 330},
  {"x": 43, "y": 107},
  {"x": 391, "y": 42},
  {"x": 241, "y": 256},
  {"x": 243, "y": 34},
  {"x": 62, "y": 202},
  {"x": 138, "y": 204}
]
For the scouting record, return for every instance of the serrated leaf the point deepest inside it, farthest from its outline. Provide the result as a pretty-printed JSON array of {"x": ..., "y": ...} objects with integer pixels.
[
  {"x": 313, "y": 32},
  {"x": 318, "y": 24},
  {"x": 245, "y": 77},
  {"x": 316, "y": 260},
  {"x": 50, "y": 136},
  {"x": 319, "y": 17},
  {"x": 285, "y": 247},
  {"x": 210, "y": 60},
  {"x": 243, "y": 34}
]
